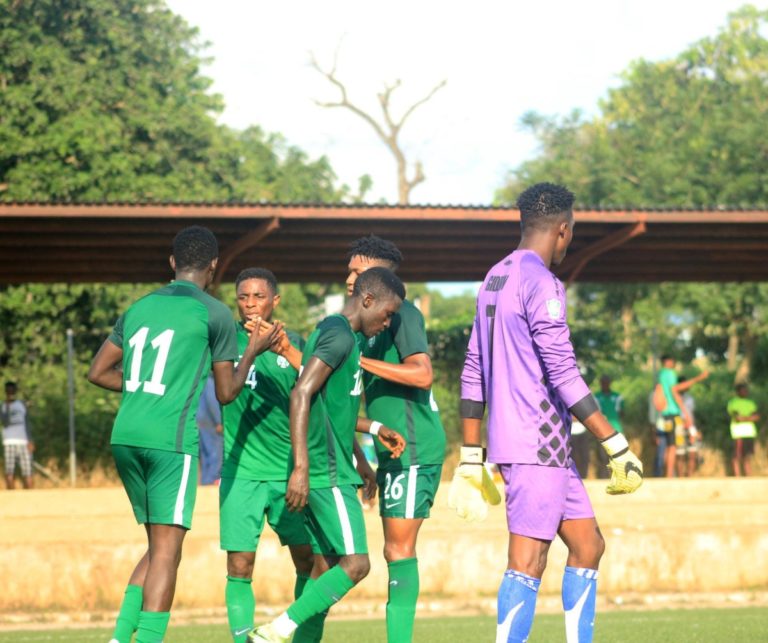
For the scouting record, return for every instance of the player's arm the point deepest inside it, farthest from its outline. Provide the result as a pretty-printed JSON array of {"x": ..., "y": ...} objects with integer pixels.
[
  {"x": 389, "y": 438},
  {"x": 314, "y": 375},
  {"x": 230, "y": 381},
  {"x": 283, "y": 344},
  {"x": 105, "y": 371},
  {"x": 681, "y": 387},
  {"x": 366, "y": 472},
  {"x": 415, "y": 370}
]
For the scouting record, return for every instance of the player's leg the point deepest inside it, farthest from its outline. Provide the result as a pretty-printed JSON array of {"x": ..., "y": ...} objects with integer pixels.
[
  {"x": 748, "y": 452},
  {"x": 405, "y": 499},
  {"x": 311, "y": 630},
  {"x": 582, "y": 537},
  {"x": 535, "y": 503},
  {"x": 171, "y": 494},
  {"x": 738, "y": 447},
  {"x": 131, "y": 469},
  {"x": 670, "y": 455},
  {"x": 335, "y": 521}
]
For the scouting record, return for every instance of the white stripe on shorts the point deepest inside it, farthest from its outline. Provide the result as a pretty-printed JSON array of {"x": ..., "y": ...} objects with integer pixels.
[
  {"x": 410, "y": 494},
  {"x": 178, "y": 512},
  {"x": 346, "y": 527}
]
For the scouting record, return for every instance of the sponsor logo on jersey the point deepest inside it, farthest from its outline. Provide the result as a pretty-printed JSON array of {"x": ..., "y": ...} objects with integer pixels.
[{"x": 282, "y": 362}]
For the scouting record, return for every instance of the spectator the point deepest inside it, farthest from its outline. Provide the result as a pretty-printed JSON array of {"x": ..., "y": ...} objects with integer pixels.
[
  {"x": 674, "y": 416},
  {"x": 743, "y": 412},
  {"x": 688, "y": 442},
  {"x": 580, "y": 447},
  {"x": 211, "y": 430},
  {"x": 612, "y": 407},
  {"x": 18, "y": 445}
]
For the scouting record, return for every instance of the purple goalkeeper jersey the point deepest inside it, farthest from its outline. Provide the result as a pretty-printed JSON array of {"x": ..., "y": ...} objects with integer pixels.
[{"x": 520, "y": 363}]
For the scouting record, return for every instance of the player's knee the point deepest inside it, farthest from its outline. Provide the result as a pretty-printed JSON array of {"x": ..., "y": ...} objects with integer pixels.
[
  {"x": 240, "y": 566},
  {"x": 357, "y": 567},
  {"x": 398, "y": 551}
]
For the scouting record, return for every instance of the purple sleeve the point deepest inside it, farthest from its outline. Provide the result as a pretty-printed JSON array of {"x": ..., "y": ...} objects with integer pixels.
[
  {"x": 472, "y": 386},
  {"x": 545, "y": 308}
]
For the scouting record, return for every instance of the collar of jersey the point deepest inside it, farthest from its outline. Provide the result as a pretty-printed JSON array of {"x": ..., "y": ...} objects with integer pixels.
[{"x": 184, "y": 282}]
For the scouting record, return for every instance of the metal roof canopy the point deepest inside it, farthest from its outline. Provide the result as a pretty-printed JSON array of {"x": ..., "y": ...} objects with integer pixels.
[{"x": 308, "y": 243}]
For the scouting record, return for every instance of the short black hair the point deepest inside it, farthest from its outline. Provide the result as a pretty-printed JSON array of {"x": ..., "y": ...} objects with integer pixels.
[
  {"x": 194, "y": 248},
  {"x": 380, "y": 282},
  {"x": 665, "y": 357},
  {"x": 10, "y": 384},
  {"x": 543, "y": 204},
  {"x": 258, "y": 273},
  {"x": 375, "y": 247}
]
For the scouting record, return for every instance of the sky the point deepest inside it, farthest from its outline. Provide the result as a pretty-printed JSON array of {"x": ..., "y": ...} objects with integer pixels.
[{"x": 500, "y": 59}]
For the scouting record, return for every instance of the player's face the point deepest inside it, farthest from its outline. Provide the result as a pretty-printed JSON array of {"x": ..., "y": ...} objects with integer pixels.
[
  {"x": 564, "y": 239},
  {"x": 377, "y": 314},
  {"x": 254, "y": 297},
  {"x": 358, "y": 265}
]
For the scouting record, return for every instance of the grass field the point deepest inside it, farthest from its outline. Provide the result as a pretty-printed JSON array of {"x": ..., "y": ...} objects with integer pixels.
[{"x": 678, "y": 626}]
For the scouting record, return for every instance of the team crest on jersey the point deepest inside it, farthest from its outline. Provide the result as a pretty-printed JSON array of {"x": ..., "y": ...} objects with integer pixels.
[
  {"x": 282, "y": 362},
  {"x": 371, "y": 341},
  {"x": 554, "y": 308}
]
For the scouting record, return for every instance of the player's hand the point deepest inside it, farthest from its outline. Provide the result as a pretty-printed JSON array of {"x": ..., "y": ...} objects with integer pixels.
[
  {"x": 263, "y": 335},
  {"x": 297, "y": 491},
  {"x": 392, "y": 441},
  {"x": 626, "y": 468},
  {"x": 31, "y": 446},
  {"x": 472, "y": 488},
  {"x": 369, "y": 478}
]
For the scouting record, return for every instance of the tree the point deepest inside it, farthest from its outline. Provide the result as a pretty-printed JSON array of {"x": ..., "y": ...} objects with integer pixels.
[
  {"x": 388, "y": 129},
  {"x": 103, "y": 100},
  {"x": 681, "y": 132}
]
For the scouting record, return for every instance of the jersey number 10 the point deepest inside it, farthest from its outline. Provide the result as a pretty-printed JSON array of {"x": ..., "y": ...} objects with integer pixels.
[{"x": 162, "y": 344}]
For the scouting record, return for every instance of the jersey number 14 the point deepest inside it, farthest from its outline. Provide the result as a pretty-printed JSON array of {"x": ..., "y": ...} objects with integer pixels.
[{"x": 162, "y": 344}]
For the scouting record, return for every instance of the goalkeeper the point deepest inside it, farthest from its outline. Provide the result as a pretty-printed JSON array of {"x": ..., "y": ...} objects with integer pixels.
[{"x": 521, "y": 365}]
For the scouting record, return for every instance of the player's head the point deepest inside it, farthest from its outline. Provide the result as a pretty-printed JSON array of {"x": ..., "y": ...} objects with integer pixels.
[
  {"x": 10, "y": 390},
  {"x": 667, "y": 361},
  {"x": 368, "y": 252},
  {"x": 257, "y": 293},
  {"x": 605, "y": 383},
  {"x": 195, "y": 249},
  {"x": 546, "y": 208},
  {"x": 742, "y": 389},
  {"x": 378, "y": 293}
]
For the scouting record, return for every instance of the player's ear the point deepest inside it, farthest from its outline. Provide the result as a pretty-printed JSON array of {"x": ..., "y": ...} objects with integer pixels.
[
  {"x": 172, "y": 261},
  {"x": 276, "y": 301},
  {"x": 214, "y": 263},
  {"x": 368, "y": 300}
]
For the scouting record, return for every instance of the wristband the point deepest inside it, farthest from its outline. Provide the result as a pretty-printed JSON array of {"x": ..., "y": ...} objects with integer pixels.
[
  {"x": 374, "y": 428},
  {"x": 615, "y": 445},
  {"x": 471, "y": 454}
]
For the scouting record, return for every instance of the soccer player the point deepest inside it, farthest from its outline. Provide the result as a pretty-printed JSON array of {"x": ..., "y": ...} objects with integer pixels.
[
  {"x": 159, "y": 355},
  {"x": 398, "y": 391},
  {"x": 257, "y": 459},
  {"x": 323, "y": 417},
  {"x": 520, "y": 364}
]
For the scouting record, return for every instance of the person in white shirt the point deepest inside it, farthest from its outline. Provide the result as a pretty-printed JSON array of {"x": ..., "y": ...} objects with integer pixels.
[{"x": 18, "y": 445}]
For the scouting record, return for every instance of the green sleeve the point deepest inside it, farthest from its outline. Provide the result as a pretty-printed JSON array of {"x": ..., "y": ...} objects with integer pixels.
[
  {"x": 334, "y": 343},
  {"x": 116, "y": 336},
  {"x": 408, "y": 332},
  {"x": 296, "y": 340},
  {"x": 222, "y": 334}
]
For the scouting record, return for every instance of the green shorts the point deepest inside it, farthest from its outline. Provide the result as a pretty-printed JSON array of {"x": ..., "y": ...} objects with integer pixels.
[
  {"x": 243, "y": 505},
  {"x": 161, "y": 485},
  {"x": 408, "y": 493},
  {"x": 334, "y": 518}
]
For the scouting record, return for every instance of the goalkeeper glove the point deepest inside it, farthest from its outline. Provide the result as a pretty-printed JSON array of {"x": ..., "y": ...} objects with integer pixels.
[
  {"x": 626, "y": 468},
  {"x": 472, "y": 488}
]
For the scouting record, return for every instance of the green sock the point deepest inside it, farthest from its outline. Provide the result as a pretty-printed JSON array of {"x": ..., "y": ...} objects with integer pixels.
[
  {"x": 311, "y": 630},
  {"x": 324, "y": 592},
  {"x": 301, "y": 583},
  {"x": 152, "y": 626},
  {"x": 128, "y": 617},
  {"x": 403, "y": 594},
  {"x": 238, "y": 596}
]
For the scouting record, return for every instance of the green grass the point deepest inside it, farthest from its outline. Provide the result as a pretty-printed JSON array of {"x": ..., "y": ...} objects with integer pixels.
[{"x": 678, "y": 626}]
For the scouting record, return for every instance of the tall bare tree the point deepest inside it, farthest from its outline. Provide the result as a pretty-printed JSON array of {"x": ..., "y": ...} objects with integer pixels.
[{"x": 388, "y": 129}]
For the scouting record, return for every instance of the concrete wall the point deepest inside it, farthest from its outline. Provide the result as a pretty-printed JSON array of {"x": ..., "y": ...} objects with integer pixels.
[{"x": 74, "y": 549}]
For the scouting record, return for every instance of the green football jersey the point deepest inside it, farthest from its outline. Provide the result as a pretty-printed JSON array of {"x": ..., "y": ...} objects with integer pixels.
[
  {"x": 257, "y": 436},
  {"x": 410, "y": 411},
  {"x": 334, "y": 410},
  {"x": 668, "y": 379},
  {"x": 170, "y": 338}
]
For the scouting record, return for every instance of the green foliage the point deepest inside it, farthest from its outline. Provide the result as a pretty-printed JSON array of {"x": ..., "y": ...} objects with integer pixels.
[{"x": 681, "y": 132}]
